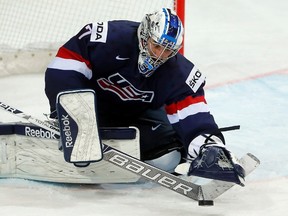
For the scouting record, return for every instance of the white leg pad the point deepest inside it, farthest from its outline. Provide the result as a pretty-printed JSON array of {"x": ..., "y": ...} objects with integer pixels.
[{"x": 28, "y": 156}]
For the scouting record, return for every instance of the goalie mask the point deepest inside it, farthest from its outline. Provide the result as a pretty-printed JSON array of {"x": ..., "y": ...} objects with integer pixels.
[{"x": 160, "y": 37}]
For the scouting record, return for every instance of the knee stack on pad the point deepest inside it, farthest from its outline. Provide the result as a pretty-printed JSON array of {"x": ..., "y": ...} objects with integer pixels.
[{"x": 165, "y": 157}]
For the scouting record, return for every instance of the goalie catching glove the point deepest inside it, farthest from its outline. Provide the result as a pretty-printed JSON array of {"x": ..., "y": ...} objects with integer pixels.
[{"x": 211, "y": 159}]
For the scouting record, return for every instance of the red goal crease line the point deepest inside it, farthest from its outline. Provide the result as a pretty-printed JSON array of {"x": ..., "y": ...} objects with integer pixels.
[{"x": 281, "y": 71}]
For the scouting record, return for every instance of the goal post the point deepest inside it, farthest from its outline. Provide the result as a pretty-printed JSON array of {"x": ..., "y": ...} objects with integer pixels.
[
  {"x": 179, "y": 7},
  {"x": 33, "y": 30}
]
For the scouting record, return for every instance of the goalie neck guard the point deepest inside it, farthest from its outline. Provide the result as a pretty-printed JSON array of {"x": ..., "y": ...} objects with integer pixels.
[{"x": 163, "y": 29}]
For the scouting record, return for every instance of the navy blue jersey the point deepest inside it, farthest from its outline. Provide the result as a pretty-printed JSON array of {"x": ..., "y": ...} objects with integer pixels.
[{"x": 104, "y": 56}]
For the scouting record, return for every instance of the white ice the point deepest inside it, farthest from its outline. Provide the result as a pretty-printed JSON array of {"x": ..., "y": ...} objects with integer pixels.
[{"x": 242, "y": 46}]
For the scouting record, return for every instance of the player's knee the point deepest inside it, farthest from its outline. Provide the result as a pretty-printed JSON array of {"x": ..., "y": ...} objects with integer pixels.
[{"x": 166, "y": 162}]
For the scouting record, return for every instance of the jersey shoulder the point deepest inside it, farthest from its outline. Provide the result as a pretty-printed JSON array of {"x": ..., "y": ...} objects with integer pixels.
[
  {"x": 184, "y": 71},
  {"x": 113, "y": 32}
]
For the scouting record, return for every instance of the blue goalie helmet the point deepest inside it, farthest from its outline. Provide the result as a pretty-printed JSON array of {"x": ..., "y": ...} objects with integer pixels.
[{"x": 161, "y": 30}]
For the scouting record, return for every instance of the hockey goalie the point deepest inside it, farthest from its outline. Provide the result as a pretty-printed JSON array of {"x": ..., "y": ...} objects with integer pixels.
[
  {"x": 141, "y": 80},
  {"x": 129, "y": 75},
  {"x": 81, "y": 143}
]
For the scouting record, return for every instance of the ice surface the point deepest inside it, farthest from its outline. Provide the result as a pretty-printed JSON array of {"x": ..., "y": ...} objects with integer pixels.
[{"x": 241, "y": 45}]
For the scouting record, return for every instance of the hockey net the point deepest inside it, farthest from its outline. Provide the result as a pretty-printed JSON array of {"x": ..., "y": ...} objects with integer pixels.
[{"x": 32, "y": 31}]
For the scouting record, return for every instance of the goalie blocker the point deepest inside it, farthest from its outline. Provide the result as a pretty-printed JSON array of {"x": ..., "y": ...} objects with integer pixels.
[{"x": 79, "y": 135}]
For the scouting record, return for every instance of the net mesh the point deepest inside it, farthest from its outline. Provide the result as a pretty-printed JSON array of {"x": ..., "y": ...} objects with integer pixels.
[{"x": 45, "y": 24}]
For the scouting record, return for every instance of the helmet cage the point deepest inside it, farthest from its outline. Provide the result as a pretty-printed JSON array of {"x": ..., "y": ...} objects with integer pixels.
[{"x": 164, "y": 48}]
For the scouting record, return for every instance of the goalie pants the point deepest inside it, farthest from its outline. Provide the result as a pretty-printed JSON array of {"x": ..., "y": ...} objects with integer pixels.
[{"x": 157, "y": 136}]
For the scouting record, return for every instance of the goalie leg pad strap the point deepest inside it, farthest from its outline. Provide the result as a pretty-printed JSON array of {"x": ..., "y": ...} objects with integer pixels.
[{"x": 78, "y": 126}]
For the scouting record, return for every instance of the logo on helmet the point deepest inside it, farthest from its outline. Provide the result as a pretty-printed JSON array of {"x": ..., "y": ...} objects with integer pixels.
[{"x": 155, "y": 26}]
